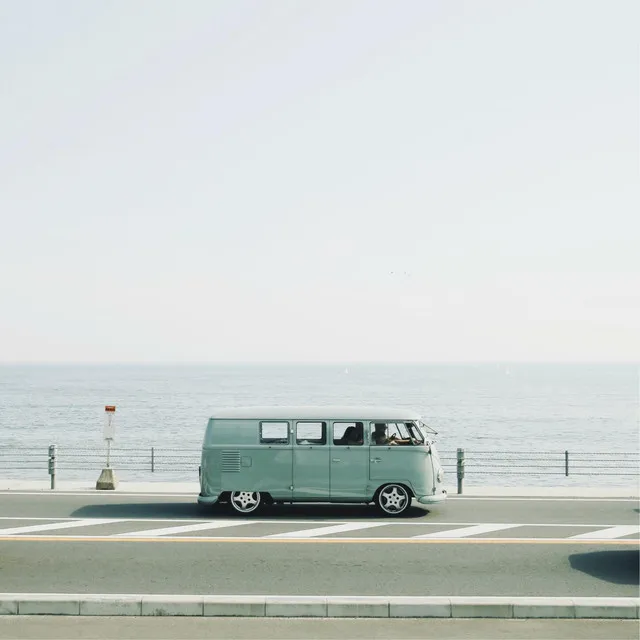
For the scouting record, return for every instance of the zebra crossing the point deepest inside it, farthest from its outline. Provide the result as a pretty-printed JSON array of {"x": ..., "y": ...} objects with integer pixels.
[{"x": 300, "y": 530}]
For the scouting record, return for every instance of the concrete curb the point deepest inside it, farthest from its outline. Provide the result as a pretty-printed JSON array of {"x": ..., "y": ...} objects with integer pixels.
[{"x": 317, "y": 606}]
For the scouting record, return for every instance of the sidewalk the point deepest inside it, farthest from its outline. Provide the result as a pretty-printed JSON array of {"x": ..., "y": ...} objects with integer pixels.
[
  {"x": 187, "y": 488},
  {"x": 193, "y": 488}
]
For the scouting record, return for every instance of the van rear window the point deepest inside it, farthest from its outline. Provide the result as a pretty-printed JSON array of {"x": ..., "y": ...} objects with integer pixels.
[
  {"x": 311, "y": 433},
  {"x": 274, "y": 433}
]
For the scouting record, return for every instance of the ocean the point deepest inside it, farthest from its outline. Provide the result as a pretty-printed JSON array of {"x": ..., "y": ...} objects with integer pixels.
[{"x": 480, "y": 407}]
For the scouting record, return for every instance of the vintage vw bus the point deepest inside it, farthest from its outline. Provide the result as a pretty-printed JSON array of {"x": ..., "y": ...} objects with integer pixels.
[{"x": 254, "y": 455}]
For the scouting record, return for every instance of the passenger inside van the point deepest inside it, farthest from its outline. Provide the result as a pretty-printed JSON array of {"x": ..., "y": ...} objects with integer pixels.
[{"x": 354, "y": 435}]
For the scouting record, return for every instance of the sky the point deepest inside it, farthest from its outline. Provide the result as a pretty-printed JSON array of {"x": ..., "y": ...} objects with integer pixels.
[{"x": 319, "y": 181}]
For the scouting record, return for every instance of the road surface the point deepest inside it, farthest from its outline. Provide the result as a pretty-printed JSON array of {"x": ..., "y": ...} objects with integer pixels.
[{"x": 116, "y": 543}]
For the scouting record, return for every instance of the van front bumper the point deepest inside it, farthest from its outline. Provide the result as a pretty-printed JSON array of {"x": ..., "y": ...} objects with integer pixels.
[
  {"x": 432, "y": 499},
  {"x": 207, "y": 499}
]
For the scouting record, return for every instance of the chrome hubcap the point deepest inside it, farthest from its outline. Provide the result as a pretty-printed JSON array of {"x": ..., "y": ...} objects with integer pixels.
[
  {"x": 393, "y": 499},
  {"x": 245, "y": 501}
]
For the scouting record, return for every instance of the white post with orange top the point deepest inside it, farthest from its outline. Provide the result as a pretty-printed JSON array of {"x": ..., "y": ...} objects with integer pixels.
[{"x": 107, "y": 479}]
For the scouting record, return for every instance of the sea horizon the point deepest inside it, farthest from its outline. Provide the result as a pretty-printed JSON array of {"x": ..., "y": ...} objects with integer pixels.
[
  {"x": 276, "y": 363},
  {"x": 507, "y": 407}
]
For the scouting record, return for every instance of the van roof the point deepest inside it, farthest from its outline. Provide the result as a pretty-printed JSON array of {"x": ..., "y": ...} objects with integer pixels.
[{"x": 306, "y": 412}]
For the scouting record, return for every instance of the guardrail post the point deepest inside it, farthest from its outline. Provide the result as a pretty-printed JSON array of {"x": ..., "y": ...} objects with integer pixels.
[
  {"x": 52, "y": 465},
  {"x": 153, "y": 459},
  {"x": 460, "y": 468},
  {"x": 566, "y": 463}
]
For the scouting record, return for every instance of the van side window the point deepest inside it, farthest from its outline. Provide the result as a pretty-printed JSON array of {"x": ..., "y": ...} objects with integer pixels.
[
  {"x": 348, "y": 434},
  {"x": 274, "y": 433},
  {"x": 311, "y": 433}
]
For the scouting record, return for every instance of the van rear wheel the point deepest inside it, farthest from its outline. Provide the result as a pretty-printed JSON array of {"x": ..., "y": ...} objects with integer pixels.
[
  {"x": 245, "y": 501},
  {"x": 393, "y": 499}
]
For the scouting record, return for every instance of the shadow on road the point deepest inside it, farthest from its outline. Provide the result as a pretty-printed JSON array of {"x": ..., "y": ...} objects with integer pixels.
[
  {"x": 618, "y": 567},
  {"x": 151, "y": 510},
  {"x": 332, "y": 512},
  {"x": 315, "y": 512}
]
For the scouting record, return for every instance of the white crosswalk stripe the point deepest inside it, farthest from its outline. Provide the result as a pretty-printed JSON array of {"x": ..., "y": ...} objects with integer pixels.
[
  {"x": 400, "y": 530},
  {"x": 52, "y": 526},
  {"x": 167, "y": 531},
  {"x": 609, "y": 533},
  {"x": 465, "y": 532},
  {"x": 323, "y": 531}
]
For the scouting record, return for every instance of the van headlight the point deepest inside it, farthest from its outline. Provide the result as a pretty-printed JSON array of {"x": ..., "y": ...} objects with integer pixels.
[{"x": 440, "y": 475}]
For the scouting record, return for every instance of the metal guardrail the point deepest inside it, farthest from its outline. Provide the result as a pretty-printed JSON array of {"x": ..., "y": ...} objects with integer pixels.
[{"x": 159, "y": 460}]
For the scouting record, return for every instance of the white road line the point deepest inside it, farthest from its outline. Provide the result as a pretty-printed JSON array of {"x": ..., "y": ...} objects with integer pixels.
[
  {"x": 325, "y": 540},
  {"x": 468, "y": 531},
  {"x": 321, "y": 531},
  {"x": 61, "y": 493},
  {"x": 56, "y": 525},
  {"x": 201, "y": 526},
  {"x": 629, "y": 498},
  {"x": 608, "y": 534},
  {"x": 187, "y": 495}
]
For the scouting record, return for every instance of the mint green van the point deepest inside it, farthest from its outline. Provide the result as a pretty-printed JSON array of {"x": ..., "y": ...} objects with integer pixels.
[{"x": 257, "y": 455}]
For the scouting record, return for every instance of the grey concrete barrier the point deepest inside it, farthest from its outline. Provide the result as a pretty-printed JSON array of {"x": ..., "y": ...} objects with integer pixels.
[{"x": 317, "y": 606}]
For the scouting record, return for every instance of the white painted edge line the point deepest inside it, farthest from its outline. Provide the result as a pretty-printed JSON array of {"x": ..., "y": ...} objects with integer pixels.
[
  {"x": 106, "y": 492},
  {"x": 319, "y": 606},
  {"x": 621, "y": 497},
  {"x": 538, "y": 498}
]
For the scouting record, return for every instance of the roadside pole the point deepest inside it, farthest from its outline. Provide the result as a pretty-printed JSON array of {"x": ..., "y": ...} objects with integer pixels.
[
  {"x": 52, "y": 465},
  {"x": 107, "y": 479},
  {"x": 460, "y": 468}
]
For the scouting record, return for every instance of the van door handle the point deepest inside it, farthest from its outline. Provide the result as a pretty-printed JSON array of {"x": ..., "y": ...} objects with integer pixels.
[
  {"x": 374, "y": 460},
  {"x": 335, "y": 459}
]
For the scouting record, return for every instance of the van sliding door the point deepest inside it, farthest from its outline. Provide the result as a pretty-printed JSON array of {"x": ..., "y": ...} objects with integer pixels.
[
  {"x": 310, "y": 461},
  {"x": 349, "y": 461}
]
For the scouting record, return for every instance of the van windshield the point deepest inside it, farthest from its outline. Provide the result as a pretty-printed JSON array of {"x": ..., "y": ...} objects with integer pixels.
[
  {"x": 415, "y": 433},
  {"x": 426, "y": 430}
]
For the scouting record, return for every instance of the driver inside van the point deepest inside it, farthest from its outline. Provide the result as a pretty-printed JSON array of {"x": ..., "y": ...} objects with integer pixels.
[{"x": 380, "y": 436}]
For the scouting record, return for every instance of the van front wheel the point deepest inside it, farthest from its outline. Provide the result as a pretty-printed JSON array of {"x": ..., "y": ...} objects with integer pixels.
[
  {"x": 393, "y": 499},
  {"x": 245, "y": 501}
]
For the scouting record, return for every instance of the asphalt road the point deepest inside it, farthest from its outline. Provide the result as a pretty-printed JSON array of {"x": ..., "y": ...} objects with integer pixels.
[
  {"x": 87, "y": 543},
  {"x": 456, "y": 508}
]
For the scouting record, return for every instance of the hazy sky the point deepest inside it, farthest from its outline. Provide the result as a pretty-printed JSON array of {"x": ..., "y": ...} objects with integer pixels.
[{"x": 328, "y": 180}]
